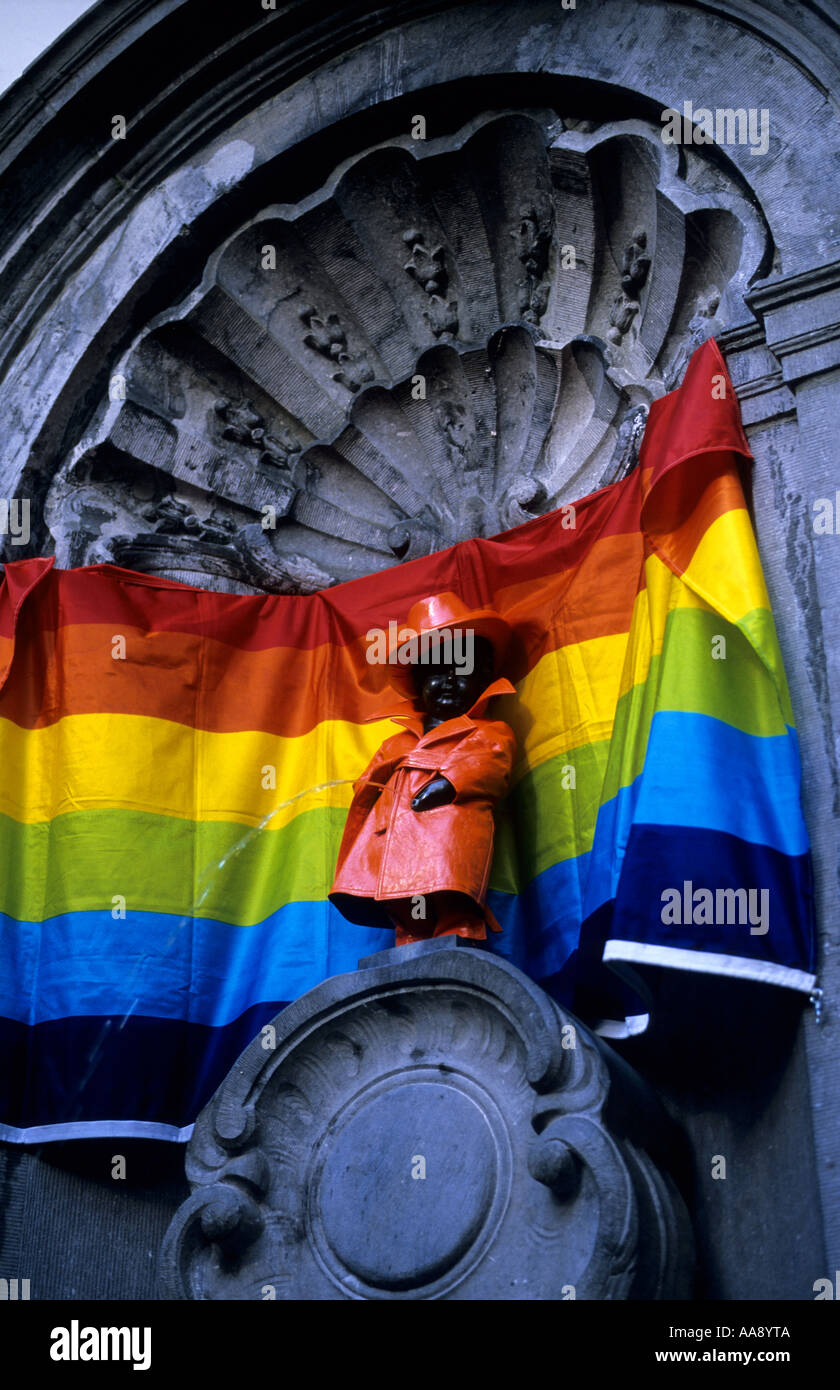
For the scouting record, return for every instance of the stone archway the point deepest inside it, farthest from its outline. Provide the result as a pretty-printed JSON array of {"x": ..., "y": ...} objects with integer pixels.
[{"x": 448, "y": 337}]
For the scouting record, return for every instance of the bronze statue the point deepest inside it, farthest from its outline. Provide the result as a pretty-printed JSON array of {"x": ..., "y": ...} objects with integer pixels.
[{"x": 418, "y": 843}]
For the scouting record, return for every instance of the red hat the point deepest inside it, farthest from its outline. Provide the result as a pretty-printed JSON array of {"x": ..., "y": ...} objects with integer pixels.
[{"x": 448, "y": 611}]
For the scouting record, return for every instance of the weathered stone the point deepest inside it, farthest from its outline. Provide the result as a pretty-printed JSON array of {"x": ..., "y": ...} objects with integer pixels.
[
  {"x": 520, "y": 402},
  {"x": 431, "y": 1126}
]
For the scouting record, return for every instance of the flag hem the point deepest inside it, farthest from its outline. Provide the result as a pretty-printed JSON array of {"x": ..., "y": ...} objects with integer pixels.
[
  {"x": 633, "y": 1025},
  {"x": 95, "y": 1129},
  {"x": 710, "y": 963}
]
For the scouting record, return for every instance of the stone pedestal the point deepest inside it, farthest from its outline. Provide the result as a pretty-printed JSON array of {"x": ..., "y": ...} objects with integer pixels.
[{"x": 430, "y": 1126}]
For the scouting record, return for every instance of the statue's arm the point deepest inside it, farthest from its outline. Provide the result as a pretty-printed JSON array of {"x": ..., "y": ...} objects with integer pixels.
[
  {"x": 438, "y": 792},
  {"x": 478, "y": 766},
  {"x": 481, "y": 765}
]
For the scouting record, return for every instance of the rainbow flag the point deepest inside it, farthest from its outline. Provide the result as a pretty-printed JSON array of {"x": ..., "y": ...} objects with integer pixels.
[{"x": 177, "y": 765}]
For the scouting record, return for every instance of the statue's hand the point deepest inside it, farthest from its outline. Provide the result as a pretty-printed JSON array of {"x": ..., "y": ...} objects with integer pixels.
[{"x": 438, "y": 792}]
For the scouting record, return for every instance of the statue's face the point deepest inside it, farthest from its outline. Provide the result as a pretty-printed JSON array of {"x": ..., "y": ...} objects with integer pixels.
[{"x": 446, "y": 691}]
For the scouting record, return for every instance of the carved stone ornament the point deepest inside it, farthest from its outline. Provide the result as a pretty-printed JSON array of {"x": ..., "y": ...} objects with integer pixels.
[
  {"x": 446, "y": 339},
  {"x": 430, "y": 1126}
]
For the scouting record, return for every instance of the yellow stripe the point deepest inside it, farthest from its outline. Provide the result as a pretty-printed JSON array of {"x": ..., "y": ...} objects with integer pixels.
[
  {"x": 139, "y": 763},
  {"x": 576, "y": 688},
  {"x": 733, "y": 589},
  {"x": 85, "y": 761},
  {"x": 567, "y": 700},
  {"x": 134, "y": 762}
]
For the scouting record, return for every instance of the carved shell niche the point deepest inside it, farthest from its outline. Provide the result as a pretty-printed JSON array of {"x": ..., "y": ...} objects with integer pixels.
[{"x": 448, "y": 338}]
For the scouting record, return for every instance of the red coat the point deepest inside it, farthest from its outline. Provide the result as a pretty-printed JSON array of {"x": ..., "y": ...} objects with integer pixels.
[{"x": 388, "y": 850}]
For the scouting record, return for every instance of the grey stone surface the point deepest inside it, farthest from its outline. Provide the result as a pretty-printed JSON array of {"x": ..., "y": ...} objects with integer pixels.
[
  {"x": 77, "y": 1231},
  {"x": 105, "y": 242},
  {"x": 430, "y": 1126},
  {"x": 789, "y": 380},
  {"x": 730, "y": 1066}
]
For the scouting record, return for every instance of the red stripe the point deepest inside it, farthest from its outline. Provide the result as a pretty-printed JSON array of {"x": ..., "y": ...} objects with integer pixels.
[
  {"x": 72, "y": 669},
  {"x": 475, "y": 569}
]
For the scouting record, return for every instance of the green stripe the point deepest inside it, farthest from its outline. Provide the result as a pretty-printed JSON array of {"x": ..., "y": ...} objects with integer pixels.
[
  {"x": 760, "y": 628},
  {"x": 546, "y": 819},
  {"x": 736, "y": 689},
  {"x": 686, "y": 676},
  {"x": 81, "y": 860}
]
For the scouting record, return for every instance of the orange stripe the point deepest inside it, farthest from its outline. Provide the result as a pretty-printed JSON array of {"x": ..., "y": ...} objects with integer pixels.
[
  {"x": 702, "y": 497},
  {"x": 80, "y": 669}
]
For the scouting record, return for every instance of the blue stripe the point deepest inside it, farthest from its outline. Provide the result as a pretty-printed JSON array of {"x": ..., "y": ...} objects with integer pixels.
[
  {"x": 76, "y": 1070},
  {"x": 205, "y": 971},
  {"x": 541, "y": 926},
  {"x": 152, "y": 963},
  {"x": 702, "y": 773},
  {"x": 208, "y": 972}
]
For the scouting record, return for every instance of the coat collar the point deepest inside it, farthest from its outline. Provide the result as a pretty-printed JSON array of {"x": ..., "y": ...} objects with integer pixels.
[{"x": 405, "y": 712}]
